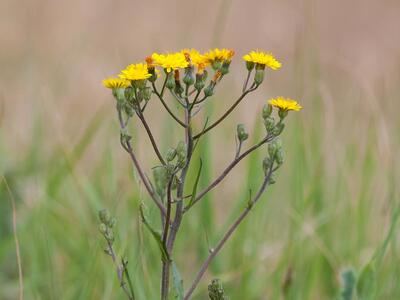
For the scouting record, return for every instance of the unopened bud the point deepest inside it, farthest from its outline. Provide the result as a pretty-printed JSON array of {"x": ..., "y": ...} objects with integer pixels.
[
  {"x": 269, "y": 123},
  {"x": 278, "y": 129},
  {"x": 209, "y": 90},
  {"x": 171, "y": 153},
  {"x": 160, "y": 179},
  {"x": 104, "y": 216},
  {"x": 279, "y": 156},
  {"x": 267, "y": 162},
  {"x": 267, "y": 111},
  {"x": 241, "y": 132},
  {"x": 274, "y": 147},
  {"x": 103, "y": 228},
  {"x": 147, "y": 93}
]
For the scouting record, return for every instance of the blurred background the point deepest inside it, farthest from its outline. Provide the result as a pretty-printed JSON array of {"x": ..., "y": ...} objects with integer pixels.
[{"x": 335, "y": 201}]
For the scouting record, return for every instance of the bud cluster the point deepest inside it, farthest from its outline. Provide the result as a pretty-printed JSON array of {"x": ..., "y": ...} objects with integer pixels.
[{"x": 107, "y": 223}]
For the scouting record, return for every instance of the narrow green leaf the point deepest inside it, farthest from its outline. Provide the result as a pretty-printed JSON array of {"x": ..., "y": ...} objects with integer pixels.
[
  {"x": 177, "y": 283},
  {"x": 366, "y": 284},
  {"x": 156, "y": 235},
  {"x": 194, "y": 191}
]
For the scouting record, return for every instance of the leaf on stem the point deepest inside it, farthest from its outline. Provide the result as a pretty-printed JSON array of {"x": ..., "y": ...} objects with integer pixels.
[{"x": 157, "y": 236}]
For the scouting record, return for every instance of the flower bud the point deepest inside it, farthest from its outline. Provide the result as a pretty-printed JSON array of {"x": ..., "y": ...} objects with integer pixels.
[
  {"x": 278, "y": 129},
  {"x": 267, "y": 111},
  {"x": 209, "y": 90},
  {"x": 171, "y": 153},
  {"x": 112, "y": 222},
  {"x": 200, "y": 80},
  {"x": 249, "y": 65},
  {"x": 103, "y": 228},
  {"x": 259, "y": 76},
  {"x": 279, "y": 156},
  {"x": 170, "y": 84},
  {"x": 274, "y": 147},
  {"x": 104, "y": 216},
  {"x": 147, "y": 93},
  {"x": 241, "y": 132},
  {"x": 272, "y": 179},
  {"x": 269, "y": 123},
  {"x": 188, "y": 79},
  {"x": 160, "y": 180},
  {"x": 109, "y": 235}
]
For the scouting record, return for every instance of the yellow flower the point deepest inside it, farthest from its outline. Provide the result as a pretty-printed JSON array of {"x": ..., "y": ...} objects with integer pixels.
[
  {"x": 262, "y": 58},
  {"x": 219, "y": 55},
  {"x": 195, "y": 58},
  {"x": 285, "y": 104},
  {"x": 115, "y": 83},
  {"x": 135, "y": 72},
  {"x": 170, "y": 61}
]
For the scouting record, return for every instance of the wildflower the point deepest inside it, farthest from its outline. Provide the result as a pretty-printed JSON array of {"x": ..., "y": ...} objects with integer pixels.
[
  {"x": 262, "y": 59},
  {"x": 135, "y": 72},
  {"x": 115, "y": 83},
  {"x": 194, "y": 57},
  {"x": 169, "y": 61},
  {"x": 284, "y": 105},
  {"x": 219, "y": 55}
]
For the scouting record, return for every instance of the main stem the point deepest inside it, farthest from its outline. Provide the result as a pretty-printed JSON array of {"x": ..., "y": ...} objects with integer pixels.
[{"x": 179, "y": 207}]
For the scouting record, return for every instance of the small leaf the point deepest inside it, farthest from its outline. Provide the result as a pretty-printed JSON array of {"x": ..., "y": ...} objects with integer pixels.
[
  {"x": 194, "y": 191},
  {"x": 366, "y": 284},
  {"x": 177, "y": 283},
  {"x": 156, "y": 235}
]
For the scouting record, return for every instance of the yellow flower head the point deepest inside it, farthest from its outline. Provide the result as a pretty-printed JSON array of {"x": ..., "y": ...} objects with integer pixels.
[
  {"x": 195, "y": 58},
  {"x": 219, "y": 55},
  {"x": 170, "y": 61},
  {"x": 285, "y": 104},
  {"x": 135, "y": 72},
  {"x": 115, "y": 83},
  {"x": 262, "y": 58}
]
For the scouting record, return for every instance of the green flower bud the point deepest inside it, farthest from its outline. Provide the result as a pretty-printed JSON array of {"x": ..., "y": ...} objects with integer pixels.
[
  {"x": 279, "y": 156},
  {"x": 272, "y": 179},
  {"x": 104, "y": 216},
  {"x": 241, "y": 132},
  {"x": 170, "y": 84},
  {"x": 129, "y": 94},
  {"x": 178, "y": 88},
  {"x": 112, "y": 222},
  {"x": 147, "y": 93},
  {"x": 259, "y": 76},
  {"x": 200, "y": 80},
  {"x": 209, "y": 90},
  {"x": 181, "y": 148},
  {"x": 109, "y": 235},
  {"x": 160, "y": 175},
  {"x": 278, "y": 129},
  {"x": 269, "y": 123},
  {"x": 274, "y": 147},
  {"x": 216, "y": 290},
  {"x": 249, "y": 65},
  {"x": 103, "y": 228},
  {"x": 225, "y": 67},
  {"x": 267, "y": 111},
  {"x": 188, "y": 78},
  {"x": 171, "y": 153}
]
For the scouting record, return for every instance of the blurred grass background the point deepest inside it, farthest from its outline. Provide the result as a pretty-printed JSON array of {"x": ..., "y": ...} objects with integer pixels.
[{"x": 335, "y": 196}]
